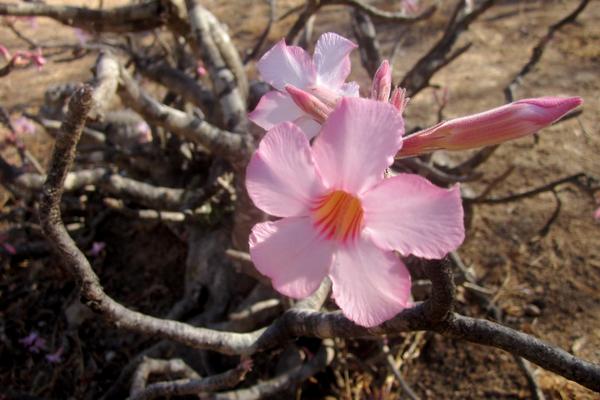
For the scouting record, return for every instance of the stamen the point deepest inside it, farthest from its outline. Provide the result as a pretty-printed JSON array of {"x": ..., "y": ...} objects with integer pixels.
[{"x": 338, "y": 215}]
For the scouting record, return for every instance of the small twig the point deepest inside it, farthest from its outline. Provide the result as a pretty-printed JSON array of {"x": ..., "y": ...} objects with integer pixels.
[
  {"x": 525, "y": 367},
  {"x": 392, "y": 365},
  {"x": 540, "y": 47},
  {"x": 263, "y": 36},
  {"x": 576, "y": 178},
  {"x": 439, "y": 55}
]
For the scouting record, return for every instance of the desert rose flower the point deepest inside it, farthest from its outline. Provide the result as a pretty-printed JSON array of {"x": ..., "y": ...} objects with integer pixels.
[
  {"x": 340, "y": 218},
  {"x": 322, "y": 76},
  {"x": 511, "y": 121}
]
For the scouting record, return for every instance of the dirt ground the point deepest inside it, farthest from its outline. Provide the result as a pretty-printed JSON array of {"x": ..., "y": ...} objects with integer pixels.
[{"x": 546, "y": 283}]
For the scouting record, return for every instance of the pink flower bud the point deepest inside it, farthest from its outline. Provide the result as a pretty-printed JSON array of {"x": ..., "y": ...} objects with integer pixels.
[
  {"x": 399, "y": 99},
  {"x": 495, "y": 126},
  {"x": 382, "y": 82},
  {"x": 309, "y": 103}
]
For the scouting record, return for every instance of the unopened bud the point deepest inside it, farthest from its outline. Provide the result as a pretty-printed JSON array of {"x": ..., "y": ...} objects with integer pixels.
[
  {"x": 309, "y": 103},
  {"x": 511, "y": 121},
  {"x": 399, "y": 99},
  {"x": 382, "y": 82}
]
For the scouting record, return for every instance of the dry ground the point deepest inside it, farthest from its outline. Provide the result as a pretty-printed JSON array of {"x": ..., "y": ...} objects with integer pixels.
[{"x": 558, "y": 272}]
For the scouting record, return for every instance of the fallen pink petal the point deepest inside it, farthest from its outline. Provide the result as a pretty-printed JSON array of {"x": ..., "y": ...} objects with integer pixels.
[
  {"x": 323, "y": 75},
  {"x": 508, "y": 122},
  {"x": 340, "y": 218},
  {"x": 56, "y": 357}
]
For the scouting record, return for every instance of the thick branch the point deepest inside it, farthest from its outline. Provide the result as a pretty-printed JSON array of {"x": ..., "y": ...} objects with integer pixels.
[
  {"x": 226, "y": 144},
  {"x": 133, "y": 18},
  {"x": 224, "y": 65},
  {"x": 182, "y": 387},
  {"x": 535, "y": 350}
]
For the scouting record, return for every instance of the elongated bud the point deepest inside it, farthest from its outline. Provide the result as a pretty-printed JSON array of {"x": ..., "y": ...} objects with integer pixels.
[
  {"x": 495, "y": 126},
  {"x": 382, "y": 82},
  {"x": 309, "y": 103},
  {"x": 399, "y": 99}
]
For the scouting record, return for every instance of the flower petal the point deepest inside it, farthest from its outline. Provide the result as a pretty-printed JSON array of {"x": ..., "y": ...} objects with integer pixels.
[
  {"x": 309, "y": 126},
  {"x": 369, "y": 284},
  {"x": 409, "y": 214},
  {"x": 350, "y": 89},
  {"x": 285, "y": 64},
  {"x": 331, "y": 59},
  {"x": 281, "y": 178},
  {"x": 274, "y": 108},
  {"x": 290, "y": 252},
  {"x": 357, "y": 143}
]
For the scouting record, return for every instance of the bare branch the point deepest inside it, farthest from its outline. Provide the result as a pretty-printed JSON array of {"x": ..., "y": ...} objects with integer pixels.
[
  {"x": 419, "y": 75},
  {"x": 284, "y": 381},
  {"x": 230, "y": 146},
  {"x": 368, "y": 45},
  {"x": 576, "y": 178},
  {"x": 184, "y": 387},
  {"x": 535, "y": 350},
  {"x": 538, "y": 50},
  {"x": 105, "y": 84},
  {"x": 177, "y": 82},
  {"x": 213, "y": 45},
  {"x": 132, "y": 18},
  {"x": 149, "y": 366},
  {"x": 374, "y": 12},
  {"x": 263, "y": 36}
]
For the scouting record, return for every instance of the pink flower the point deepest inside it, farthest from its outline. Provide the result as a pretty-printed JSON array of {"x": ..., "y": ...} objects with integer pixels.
[
  {"x": 340, "y": 218},
  {"x": 97, "y": 248},
  {"x": 23, "y": 126},
  {"x": 82, "y": 36},
  {"x": 410, "y": 6},
  {"x": 33, "y": 342},
  {"x": 144, "y": 133},
  {"x": 56, "y": 357},
  {"x": 597, "y": 214},
  {"x": 323, "y": 76},
  {"x": 498, "y": 125},
  {"x": 200, "y": 70}
]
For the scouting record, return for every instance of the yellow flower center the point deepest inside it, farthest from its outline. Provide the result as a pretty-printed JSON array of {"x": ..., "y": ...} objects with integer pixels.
[{"x": 338, "y": 215}]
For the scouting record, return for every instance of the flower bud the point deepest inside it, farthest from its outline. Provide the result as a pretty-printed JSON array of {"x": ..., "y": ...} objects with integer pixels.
[
  {"x": 309, "y": 103},
  {"x": 399, "y": 99},
  {"x": 382, "y": 82},
  {"x": 495, "y": 126}
]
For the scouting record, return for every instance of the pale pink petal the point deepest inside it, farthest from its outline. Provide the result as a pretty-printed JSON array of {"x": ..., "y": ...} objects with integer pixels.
[
  {"x": 284, "y": 65},
  {"x": 274, "y": 108},
  {"x": 292, "y": 254},
  {"x": 281, "y": 178},
  {"x": 409, "y": 214},
  {"x": 369, "y": 284},
  {"x": 357, "y": 143},
  {"x": 309, "y": 126},
  {"x": 332, "y": 60},
  {"x": 349, "y": 89}
]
